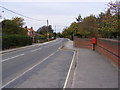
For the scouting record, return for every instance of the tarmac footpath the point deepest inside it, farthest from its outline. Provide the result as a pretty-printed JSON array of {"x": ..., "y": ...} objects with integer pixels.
[
  {"x": 91, "y": 70},
  {"x": 94, "y": 71}
]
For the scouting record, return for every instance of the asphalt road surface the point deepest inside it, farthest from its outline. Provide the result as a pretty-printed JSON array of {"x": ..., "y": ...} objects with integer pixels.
[{"x": 51, "y": 64}]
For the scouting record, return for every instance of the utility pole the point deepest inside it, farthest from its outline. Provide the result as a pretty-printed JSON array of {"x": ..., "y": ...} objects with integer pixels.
[
  {"x": 2, "y": 18},
  {"x": 55, "y": 32},
  {"x": 47, "y": 30}
]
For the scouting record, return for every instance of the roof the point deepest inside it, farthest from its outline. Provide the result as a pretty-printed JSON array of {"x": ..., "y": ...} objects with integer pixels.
[{"x": 29, "y": 29}]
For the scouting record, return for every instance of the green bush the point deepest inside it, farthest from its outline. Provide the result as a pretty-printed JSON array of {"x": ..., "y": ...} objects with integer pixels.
[{"x": 10, "y": 41}]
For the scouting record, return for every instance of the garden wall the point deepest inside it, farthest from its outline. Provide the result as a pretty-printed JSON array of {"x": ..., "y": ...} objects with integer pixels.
[{"x": 109, "y": 48}]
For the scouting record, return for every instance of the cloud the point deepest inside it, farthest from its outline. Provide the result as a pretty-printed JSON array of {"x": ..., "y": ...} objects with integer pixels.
[
  {"x": 59, "y": 14},
  {"x": 60, "y": 21},
  {"x": 56, "y": 0}
]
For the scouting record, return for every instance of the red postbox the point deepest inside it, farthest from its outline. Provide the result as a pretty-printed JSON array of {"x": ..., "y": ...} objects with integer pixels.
[{"x": 94, "y": 41}]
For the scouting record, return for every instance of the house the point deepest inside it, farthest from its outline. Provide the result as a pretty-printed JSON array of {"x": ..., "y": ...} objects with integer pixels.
[{"x": 31, "y": 33}]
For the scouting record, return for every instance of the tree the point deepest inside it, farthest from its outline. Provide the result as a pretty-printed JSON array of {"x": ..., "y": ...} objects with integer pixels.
[
  {"x": 45, "y": 29},
  {"x": 13, "y": 27},
  {"x": 114, "y": 7},
  {"x": 59, "y": 35},
  {"x": 79, "y": 18},
  {"x": 9, "y": 27},
  {"x": 106, "y": 25},
  {"x": 108, "y": 22},
  {"x": 70, "y": 31},
  {"x": 88, "y": 27},
  {"x": 115, "y": 10},
  {"x": 18, "y": 21}
]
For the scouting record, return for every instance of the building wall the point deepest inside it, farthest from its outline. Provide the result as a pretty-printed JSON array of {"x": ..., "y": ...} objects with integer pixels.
[{"x": 107, "y": 47}]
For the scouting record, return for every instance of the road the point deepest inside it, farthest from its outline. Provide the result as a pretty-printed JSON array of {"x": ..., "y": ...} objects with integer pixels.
[{"x": 48, "y": 60}]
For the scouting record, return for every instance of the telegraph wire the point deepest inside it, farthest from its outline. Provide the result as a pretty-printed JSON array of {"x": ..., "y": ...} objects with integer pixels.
[{"x": 20, "y": 14}]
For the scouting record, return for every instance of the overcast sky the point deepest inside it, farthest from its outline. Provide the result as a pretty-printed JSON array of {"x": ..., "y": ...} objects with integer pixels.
[{"x": 59, "y": 12}]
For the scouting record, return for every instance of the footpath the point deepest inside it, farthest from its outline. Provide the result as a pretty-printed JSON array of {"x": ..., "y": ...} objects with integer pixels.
[{"x": 92, "y": 70}]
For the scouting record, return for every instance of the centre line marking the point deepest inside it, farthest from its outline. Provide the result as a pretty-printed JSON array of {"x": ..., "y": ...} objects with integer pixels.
[
  {"x": 13, "y": 57},
  {"x": 35, "y": 50},
  {"x": 29, "y": 69},
  {"x": 24, "y": 54}
]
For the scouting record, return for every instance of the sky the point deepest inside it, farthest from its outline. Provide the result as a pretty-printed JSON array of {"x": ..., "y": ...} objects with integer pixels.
[{"x": 60, "y": 13}]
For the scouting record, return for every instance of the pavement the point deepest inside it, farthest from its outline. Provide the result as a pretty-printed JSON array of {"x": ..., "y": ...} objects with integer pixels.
[{"x": 93, "y": 70}]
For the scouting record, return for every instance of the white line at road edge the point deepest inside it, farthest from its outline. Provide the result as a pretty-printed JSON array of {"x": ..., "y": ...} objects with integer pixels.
[
  {"x": 29, "y": 69},
  {"x": 69, "y": 71},
  {"x": 13, "y": 57}
]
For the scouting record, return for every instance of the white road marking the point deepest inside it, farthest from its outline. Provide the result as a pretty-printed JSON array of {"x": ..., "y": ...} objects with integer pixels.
[
  {"x": 28, "y": 51},
  {"x": 2, "y": 52},
  {"x": 69, "y": 71},
  {"x": 35, "y": 49},
  {"x": 13, "y": 57},
  {"x": 52, "y": 44},
  {"x": 29, "y": 69}
]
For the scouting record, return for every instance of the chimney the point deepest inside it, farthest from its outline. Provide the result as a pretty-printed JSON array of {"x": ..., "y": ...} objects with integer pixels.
[
  {"x": 26, "y": 27},
  {"x": 31, "y": 27}
]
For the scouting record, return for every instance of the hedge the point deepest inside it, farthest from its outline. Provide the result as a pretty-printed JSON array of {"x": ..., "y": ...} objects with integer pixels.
[{"x": 10, "y": 41}]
